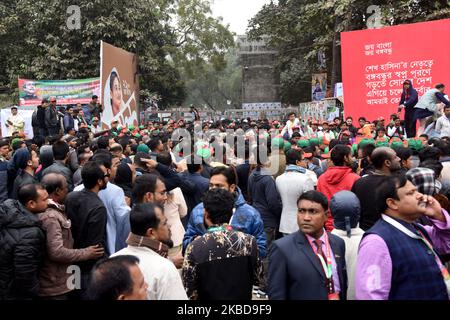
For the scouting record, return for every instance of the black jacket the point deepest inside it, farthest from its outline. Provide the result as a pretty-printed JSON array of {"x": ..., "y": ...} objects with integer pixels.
[
  {"x": 221, "y": 265},
  {"x": 88, "y": 216},
  {"x": 59, "y": 167},
  {"x": 40, "y": 117},
  {"x": 51, "y": 117},
  {"x": 364, "y": 190},
  {"x": 295, "y": 272},
  {"x": 22, "y": 179},
  {"x": 3, "y": 180},
  {"x": 264, "y": 197},
  {"x": 243, "y": 171},
  {"x": 171, "y": 178},
  {"x": 22, "y": 247},
  {"x": 201, "y": 185},
  {"x": 412, "y": 100}
]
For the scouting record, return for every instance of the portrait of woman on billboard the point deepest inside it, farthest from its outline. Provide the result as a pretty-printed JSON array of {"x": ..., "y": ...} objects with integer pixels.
[
  {"x": 115, "y": 92},
  {"x": 115, "y": 108}
]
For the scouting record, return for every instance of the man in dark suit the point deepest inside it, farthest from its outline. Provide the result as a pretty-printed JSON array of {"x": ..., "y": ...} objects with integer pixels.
[{"x": 308, "y": 264}]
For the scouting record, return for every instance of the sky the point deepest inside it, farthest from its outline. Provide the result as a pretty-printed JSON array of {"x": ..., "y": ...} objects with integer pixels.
[{"x": 236, "y": 13}]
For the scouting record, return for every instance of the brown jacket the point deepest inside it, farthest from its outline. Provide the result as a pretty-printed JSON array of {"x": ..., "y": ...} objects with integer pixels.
[{"x": 60, "y": 254}]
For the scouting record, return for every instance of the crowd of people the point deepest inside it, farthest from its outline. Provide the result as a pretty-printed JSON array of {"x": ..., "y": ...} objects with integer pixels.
[{"x": 229, "y": 209}]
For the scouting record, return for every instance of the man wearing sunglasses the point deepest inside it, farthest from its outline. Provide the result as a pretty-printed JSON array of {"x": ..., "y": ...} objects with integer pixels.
[{"x": 51, "y": 118}]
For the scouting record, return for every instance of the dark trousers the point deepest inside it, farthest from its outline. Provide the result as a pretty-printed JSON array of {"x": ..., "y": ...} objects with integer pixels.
[
  {"x": 272, "y": 234},
  {"x": 53, "y": 131},
  {"x": 410, "y": 122},
  {"x": 43, "y": 132}
]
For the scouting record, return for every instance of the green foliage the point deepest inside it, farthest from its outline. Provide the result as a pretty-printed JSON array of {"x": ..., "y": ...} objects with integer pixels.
[
  {"x": 36, "y": 42},
  {"x": 214, "y": 88}
]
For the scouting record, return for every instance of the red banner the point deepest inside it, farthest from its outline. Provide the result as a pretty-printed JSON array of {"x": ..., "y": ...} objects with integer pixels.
[{"x": 375, "y": 63}]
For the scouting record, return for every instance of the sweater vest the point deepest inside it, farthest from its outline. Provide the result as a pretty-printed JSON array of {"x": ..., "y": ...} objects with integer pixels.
[{"x": 415, "y": 273}]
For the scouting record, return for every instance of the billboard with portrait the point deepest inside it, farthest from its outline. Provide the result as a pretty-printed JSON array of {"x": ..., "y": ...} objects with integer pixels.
[
  {"x": 31, "y": 92},
  {"x": 119, "y": 86},
  {"x": 318, "y": 86}
]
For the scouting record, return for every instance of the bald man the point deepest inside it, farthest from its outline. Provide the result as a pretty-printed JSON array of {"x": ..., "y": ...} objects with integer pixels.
[
  {"x": 60, "y": 253},
  {"x": 386, "y": 162}
]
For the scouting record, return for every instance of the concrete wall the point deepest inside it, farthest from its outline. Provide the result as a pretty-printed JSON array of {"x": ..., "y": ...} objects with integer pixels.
[{"x": 261, "y": 82}]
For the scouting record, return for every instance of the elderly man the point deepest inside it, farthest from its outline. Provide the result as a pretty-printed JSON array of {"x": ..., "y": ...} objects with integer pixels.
[{"x": 15, "y": 122}]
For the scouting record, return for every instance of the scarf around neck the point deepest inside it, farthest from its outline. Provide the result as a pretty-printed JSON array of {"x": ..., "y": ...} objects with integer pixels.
[
  {"x": 294, "y": 168},
  {"x": 140, "y": 241}
]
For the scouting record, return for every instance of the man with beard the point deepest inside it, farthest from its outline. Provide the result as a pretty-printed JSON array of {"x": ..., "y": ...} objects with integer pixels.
[
  {"x": 149, "y": 241},
  {"x": 385, "y": 162},
  {"x": 88, "y": 215}
]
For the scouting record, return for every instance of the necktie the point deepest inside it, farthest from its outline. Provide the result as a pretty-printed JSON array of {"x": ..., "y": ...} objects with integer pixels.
[{"x": 318, "y": 244}]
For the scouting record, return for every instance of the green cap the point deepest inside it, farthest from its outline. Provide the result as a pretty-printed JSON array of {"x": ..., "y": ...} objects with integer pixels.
[
  {"x": 315, "y": 141},
  {"x": 114, "y": 133},
  {"x": 141, "y": 127},
  {"x": 277, "y": 143},
  {"x": 326, "y": 150},
  {"x": 15, "y": 140},
  {"x": 143, "y": 148},
  {"x": 382, "y": 143},
  {"x": 287, "y": 146},
  {"x": 415, "y": 144},
  {"x": 303, "y": 143},
  {"x": 365, "y": 142},
  {"x": 131, "y": 127},
  {"x": 397, "y": 144}
]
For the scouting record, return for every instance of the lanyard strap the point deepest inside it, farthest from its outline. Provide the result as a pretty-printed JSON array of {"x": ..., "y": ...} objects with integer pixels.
[
  {"x": 328, "y": 266},
  {"x": 411, "y": 234},
  {"x": 224, "y": 227}
]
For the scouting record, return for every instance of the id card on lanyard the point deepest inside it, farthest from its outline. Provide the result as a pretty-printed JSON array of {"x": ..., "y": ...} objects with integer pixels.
[
  {"x": 327, "y": 267},
  {"x": 444, "y": 271}
]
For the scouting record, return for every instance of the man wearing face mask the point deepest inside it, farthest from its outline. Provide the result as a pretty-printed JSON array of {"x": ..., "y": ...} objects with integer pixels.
[{"x": 88, "y": 214}]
